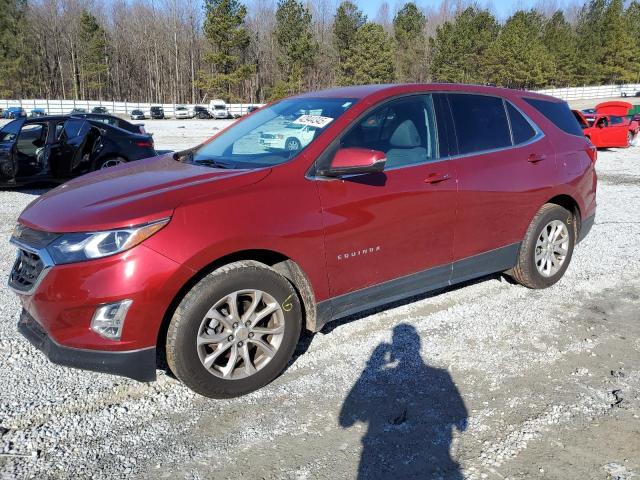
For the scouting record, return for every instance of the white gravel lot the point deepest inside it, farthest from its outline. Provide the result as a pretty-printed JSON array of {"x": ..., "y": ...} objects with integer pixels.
[{"x": 489, "y": 379}]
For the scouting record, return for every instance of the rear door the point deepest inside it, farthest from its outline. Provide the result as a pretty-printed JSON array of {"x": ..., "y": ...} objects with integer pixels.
[
  {"x": 8, "y": 149},
  {"x": 67, "y": 151},
  {"x": 619, "y": 130},
  {"x": 381, "y": 227},
  {"x": 505, "y": 167}
]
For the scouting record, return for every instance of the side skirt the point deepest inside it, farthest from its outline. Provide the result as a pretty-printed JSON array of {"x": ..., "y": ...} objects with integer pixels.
[{"x": 497, "y": 260}]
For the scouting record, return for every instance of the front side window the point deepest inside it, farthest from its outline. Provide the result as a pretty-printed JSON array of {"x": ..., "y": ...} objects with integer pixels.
[
  {"x": 480, "y": 122},
  {"x": 404, "y": 129},
  {"x": 273, "y": 135},
  {"x": 616, "y": 120}
]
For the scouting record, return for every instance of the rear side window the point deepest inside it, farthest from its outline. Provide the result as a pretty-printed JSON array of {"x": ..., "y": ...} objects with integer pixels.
[
  {"x": 559, "y": 113},
  {"x": 521, "y": 129},
  {"x": 480, "y": 122},
  {"x": 617, "y": 120}
]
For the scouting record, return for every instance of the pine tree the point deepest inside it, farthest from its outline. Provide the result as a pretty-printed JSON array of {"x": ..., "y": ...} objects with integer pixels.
[
  {"x": 590, "y": 32},
  {"x": 411, "y": 45},
  {"x": 518, "y": 58},
  {"x": 561, "y": 41},
  {"x": 347, "y": 21},
  {"x": 619, "y": 47},
  {"x": 13, "y": 48},
  {"x": 371, "y": 59},
  {"x": 632, "y": 16},
  {"x": 228, "y": 41},
  {"x": 298, "y": 48},
  {"x": 459, "y": 46},
  {"x": 93, "y": 56}
]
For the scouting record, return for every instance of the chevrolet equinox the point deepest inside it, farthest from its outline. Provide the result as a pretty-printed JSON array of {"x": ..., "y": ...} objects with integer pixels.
[{"x": 307, "y": 210}]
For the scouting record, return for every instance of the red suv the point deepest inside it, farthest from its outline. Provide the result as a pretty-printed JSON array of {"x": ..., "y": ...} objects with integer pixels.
[{"x": 219, "y": 256}]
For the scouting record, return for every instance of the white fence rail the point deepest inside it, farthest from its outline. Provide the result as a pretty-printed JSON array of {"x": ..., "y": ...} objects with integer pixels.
[
  {"x": 586, "y": 93},
  {"x": 63, "y": 107}
]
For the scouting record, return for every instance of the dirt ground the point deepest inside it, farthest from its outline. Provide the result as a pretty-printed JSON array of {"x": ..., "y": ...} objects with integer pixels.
[{"x": 484, "y": 380}]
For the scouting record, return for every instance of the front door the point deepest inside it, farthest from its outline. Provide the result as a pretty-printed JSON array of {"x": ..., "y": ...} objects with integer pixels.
[
  {"x": 8, "y": 150},
  {"x": 381, "y": 227}
]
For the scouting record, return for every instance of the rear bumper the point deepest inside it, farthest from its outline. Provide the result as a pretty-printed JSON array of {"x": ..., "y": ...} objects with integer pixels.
[
  {"x": 586, "y": 226},
  {"x": 135, "y": 364}
]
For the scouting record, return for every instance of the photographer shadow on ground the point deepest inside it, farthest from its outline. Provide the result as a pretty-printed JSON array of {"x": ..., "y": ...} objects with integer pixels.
[{"x": 411, "y": 410}]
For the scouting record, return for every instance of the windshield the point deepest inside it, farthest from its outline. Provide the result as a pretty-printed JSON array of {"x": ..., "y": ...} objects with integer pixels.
[{"x": 272, "y": 135}]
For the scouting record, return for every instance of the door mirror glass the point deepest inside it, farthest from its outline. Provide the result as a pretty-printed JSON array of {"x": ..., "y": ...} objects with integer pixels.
[{"x": 355, "y": 161}]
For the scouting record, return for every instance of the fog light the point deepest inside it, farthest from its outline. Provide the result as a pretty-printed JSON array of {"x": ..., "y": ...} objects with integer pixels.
[{"x": 108, "y": 319}]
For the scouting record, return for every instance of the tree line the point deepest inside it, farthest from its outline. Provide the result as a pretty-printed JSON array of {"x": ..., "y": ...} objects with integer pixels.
[{"x": 179, "y": 51}]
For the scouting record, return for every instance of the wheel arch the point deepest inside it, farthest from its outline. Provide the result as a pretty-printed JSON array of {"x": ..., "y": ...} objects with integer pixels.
[
  {"x": 569, "y": 203},
  {"x": 279, "y": 262}
]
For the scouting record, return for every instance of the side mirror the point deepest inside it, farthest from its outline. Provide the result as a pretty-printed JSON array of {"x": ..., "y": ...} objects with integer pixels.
[{"x": 355, "y": 161}]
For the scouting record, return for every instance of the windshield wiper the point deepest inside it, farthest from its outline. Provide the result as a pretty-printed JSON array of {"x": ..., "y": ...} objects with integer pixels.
[{"x": 209, "y": 163}]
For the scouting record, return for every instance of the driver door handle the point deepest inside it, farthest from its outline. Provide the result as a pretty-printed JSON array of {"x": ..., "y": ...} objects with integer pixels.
[
  {"x": 536, "y": 157},
  {"x": 434, "y": 178}
]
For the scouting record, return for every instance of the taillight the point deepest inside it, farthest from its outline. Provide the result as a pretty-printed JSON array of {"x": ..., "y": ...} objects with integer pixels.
[
  {"x": 144, "y": 143},
  {"x": 592, "y": 151}
]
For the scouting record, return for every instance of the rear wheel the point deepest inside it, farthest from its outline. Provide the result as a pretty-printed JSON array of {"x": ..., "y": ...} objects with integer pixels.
[
  {"x": 629, "y": 138},
  {"x": 292, "y": 144},
  {"x": 235, "y": 331},
  {"x": 547, "y": 248},
  {"x": 110, "y": 162}
]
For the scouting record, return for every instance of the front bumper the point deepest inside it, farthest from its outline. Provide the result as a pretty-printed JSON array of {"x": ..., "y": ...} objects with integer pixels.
[{"x": 135, "y": 364}]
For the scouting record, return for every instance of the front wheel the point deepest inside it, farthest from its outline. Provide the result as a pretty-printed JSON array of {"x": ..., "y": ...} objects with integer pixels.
[
  {"x": 235, "y": 330},
  {"x": 547, "y": 248}
]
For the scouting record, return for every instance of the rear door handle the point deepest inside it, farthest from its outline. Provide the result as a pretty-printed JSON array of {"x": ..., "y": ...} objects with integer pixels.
[
  {"x": 536, "y": 157},
  {"x": 433, "y": 178}
]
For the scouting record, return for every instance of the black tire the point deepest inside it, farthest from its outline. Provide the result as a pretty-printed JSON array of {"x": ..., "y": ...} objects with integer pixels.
[
  {"x": 183, "y": 329},
  {"x": 629, "y": 138},
  {"x": 526, "y": 271}
]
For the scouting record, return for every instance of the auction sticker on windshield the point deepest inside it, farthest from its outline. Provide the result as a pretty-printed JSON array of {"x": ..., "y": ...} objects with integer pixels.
[{"x": 317, "y": 121}]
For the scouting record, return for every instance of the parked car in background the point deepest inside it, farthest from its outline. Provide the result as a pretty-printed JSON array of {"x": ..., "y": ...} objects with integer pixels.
[
  {"x": 14, "y": 112},
  {"x": 219, "y": 109},
  {"x": 183, "y": 112},
  {"x": 137, "y": 115},
  {"x": 201, "y": 113},
  {"x": 608, "y": 131},
  {"x": 77, "y": 110},
  {"x": 630, "y": 91},
  {"x": 57, "y": 148},
  {"x": 101, "y": 110},
  {"x": 290, "y": 136},
  {"x": 404, "y": 189},
  {"x": 156, "y": 113},
  {"x": 114, "y": 121},
  {"x": 37, "y": 112}
]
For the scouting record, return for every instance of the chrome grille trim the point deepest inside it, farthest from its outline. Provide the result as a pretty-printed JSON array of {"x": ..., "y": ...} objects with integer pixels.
[{"x": 29, "y": 269}]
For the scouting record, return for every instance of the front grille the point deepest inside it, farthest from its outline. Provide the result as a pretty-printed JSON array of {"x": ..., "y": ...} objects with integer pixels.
[
  {"x": 26, "y": 271},
  {"x": 268, "y": 135}
]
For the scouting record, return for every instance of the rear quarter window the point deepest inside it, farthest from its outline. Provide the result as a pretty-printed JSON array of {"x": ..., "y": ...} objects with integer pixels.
[
  {"x": 559, "y": 113},
  {"x": 521, "y": 129},
  {"x": 480, "y": 122}
]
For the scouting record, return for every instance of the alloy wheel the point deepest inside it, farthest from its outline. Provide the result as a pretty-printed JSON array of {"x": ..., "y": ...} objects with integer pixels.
[
  {"x": 240, "y": 334},
  {"x": 552, "y": 248},
  {"x": 112, "y": 163}
]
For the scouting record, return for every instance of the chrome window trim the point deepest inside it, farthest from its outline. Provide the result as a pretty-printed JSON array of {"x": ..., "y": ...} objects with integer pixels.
[{"x": 46, "y": 259}]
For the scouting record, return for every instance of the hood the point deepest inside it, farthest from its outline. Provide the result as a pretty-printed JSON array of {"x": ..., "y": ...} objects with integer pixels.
[{"x": 130, "y": 194}]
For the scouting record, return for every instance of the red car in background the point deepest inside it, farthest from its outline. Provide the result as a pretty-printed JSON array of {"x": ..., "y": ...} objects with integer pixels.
[
  {"x": 608, "y": 131},
  {"x": 219, "y": 256}
]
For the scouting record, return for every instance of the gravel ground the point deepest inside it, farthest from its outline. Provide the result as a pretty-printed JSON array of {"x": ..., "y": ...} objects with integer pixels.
[{"x": 488, "y": 380}]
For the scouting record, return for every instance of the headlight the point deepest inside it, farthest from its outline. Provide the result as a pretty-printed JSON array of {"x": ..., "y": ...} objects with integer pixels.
[{"x": 76, "y": 247}]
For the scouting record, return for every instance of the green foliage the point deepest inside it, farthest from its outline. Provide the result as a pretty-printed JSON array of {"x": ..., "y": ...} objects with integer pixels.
[
  {"x": 372, "y": 56},
  {"x": 590, "y": 31},
  {"x": 14, "y": 54},
  {"x": 410, "y": 43},
  {"x": 298, "y": 47},
  {"x": 228, "y": 41},
  {"x": 92, "y": 55},
  {"x": 560, "y": 39},
  {"x": 619, "y": 51},
  {"x": 347, "y": 21},
  {"x": 459, "y": 47},
  {"x": 518, "y": 58}
]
